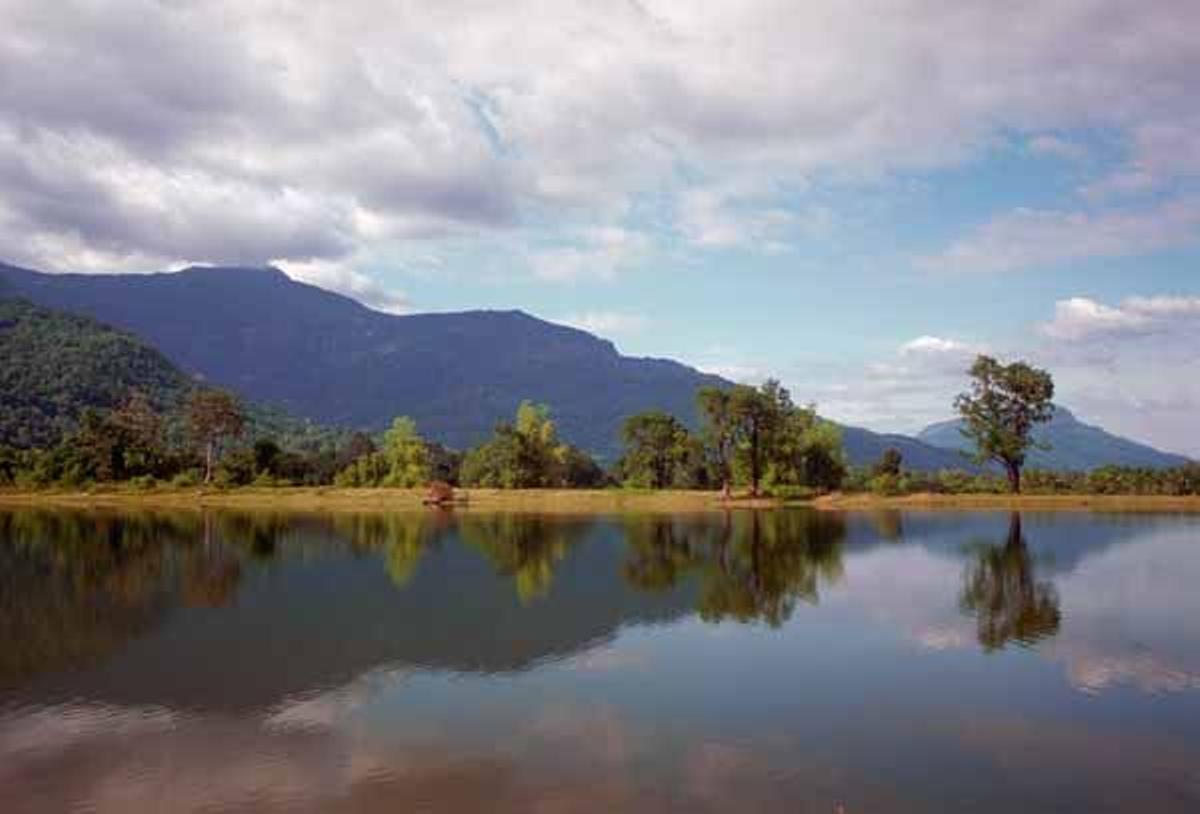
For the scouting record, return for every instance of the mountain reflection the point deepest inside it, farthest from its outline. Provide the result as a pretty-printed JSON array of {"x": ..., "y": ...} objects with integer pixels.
[
  {"x": 751, "y": 566},
  {"x": 1002, "y": 591}
]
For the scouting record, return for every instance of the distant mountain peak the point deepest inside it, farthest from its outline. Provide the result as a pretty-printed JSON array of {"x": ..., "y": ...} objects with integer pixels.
[{"x": 1074, "y": 445}]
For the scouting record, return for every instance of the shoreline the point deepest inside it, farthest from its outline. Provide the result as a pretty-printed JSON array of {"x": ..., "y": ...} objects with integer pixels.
[{"x": 302, "y": 498}]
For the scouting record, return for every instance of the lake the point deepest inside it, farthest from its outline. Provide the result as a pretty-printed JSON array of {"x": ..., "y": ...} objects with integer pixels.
[{"x": 750, "y": 661}]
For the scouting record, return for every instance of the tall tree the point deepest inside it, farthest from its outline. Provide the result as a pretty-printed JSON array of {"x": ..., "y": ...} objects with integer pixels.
[
  {"x": 656, "y": 447},
  {"x": 758, "y": 417},
  {"x": 143, "y": 438},
  {"x": 1000, "y": 412},
  {"x": 214, "y": 416},
  {"x": 406, "y": 454},
  {"x": 720, "y": 432}
]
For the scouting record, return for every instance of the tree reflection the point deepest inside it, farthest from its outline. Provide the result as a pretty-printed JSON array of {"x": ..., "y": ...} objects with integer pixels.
[
  {"x": 1001, "y": 589},
  {"x": 751, "y": 566},
  {"x": 76, "y": 586},
  {"x": 527, "y": 548},
  {"x": 403, "y": 539}
]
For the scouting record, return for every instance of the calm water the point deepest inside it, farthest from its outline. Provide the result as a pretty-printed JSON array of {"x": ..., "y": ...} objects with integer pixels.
[{"x": 752, "y": 662}]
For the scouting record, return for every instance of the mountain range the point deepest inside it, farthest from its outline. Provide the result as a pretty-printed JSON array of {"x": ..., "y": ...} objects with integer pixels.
[{"x": 327, "y": 358}]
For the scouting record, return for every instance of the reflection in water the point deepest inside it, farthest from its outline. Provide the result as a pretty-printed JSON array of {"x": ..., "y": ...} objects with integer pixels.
[
  {"x": 752, "y": 566},
  {"x": 526, "y": 548},
  {"x": 460, "y": 661},
  {"x": 1002, "y": 590}
]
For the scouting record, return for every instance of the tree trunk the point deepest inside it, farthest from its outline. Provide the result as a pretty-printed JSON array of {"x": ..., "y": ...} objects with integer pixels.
[
  {"x": 1014, "y": 477},
  {"x": 209, "y": 454},
  {"x": 754, "y": 470}
]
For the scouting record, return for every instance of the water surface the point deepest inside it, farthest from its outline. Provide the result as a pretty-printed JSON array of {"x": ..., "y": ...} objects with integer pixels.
[{"x": 788, "y": 660}]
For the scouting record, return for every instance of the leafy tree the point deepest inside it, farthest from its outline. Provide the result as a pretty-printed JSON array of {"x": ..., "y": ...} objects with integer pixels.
[
  {"x": 1006, "y": 402},
  {"x": 213, "y": 417},
  {"x": 267, "y": 457},
  {"x": 403, "y": 461},
  {"x": 759, "y": 416},
  {"x": 720, "y": 432},
  {"x": 656, "y": 449},
  {"x": 142, "y": 434},
  {"x": 890, "y": 462},
  {"x": 522, "y": 455},
  {"x": 406, "y": 454}
]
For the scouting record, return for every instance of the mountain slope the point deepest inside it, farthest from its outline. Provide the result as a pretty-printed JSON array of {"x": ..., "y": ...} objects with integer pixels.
[
  {"x": 864, "y": 448},
  {"x": 1073, "y": 445},
  {"x": 326, "y": 357},
  {"x": 53, "y": 365}
]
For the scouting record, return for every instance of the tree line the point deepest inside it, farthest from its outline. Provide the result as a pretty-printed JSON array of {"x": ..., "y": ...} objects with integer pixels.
[{"x": 751, "y": 438}]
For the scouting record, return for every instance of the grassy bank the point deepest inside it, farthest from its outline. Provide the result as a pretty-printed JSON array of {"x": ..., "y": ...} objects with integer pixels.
[
  {"x": 929, "y": 501},
  {"x": 335, "y": 499},
  {"x": 563, "y": 500}
]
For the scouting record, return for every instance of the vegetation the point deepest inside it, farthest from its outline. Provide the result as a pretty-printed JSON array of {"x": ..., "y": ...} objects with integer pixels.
[
  {"x": 1000, "y": 412},
  {"x": 528, "y": 454},
  {"x": 84, "y": 404}
]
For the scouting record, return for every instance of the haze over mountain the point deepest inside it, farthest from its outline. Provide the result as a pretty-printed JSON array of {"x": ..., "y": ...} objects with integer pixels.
[{"x": 326, "y": 357}]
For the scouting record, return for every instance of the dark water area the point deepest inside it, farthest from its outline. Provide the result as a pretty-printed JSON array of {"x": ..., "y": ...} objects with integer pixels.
[{"x": 753, "y": 661}]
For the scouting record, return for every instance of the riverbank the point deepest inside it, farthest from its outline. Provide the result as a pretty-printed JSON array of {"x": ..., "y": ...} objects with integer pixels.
[
  {"x": 567, "y": 500},
  {"x": 290, "y": 498},
  {"x": 944, "y": 502}
]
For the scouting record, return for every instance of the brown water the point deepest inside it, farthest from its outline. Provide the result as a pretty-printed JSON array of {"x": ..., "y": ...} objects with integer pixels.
[{"x": 775, "y": 661}]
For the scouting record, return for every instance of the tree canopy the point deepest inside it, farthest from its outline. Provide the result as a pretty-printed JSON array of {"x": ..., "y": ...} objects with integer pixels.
[{"x": 1002, "y": 408}]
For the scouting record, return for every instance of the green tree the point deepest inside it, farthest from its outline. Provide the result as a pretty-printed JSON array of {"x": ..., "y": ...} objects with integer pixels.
[
  {"x": 758, "y": 416},
  {"x": 1000, "y": 412},
  {"x": 656, "y": 449},
  {"x": 720, "y": 432},
  {"x": 406, "y": 454},
  {"x": 522, "y": 455},
  {"x": 213, "y": 417},
  {"x": 890, "y": 462}
]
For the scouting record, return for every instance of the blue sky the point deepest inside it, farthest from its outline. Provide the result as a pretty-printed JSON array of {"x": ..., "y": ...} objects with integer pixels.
[{"x": 853, "y": 197}]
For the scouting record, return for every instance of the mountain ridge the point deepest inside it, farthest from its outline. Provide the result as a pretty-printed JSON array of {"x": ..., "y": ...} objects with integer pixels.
[{"x": 329, "y": 358}]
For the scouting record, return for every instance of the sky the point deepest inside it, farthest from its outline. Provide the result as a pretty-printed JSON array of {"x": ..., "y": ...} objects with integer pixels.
[{"x": 853, "y": 197}]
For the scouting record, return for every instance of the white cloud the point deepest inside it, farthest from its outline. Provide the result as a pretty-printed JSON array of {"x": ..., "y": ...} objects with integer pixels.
[
  {"x": 1080, "y": 318},
  {"x": 1030, "y": 239},
  {"x": 607, "y": 323},
  {"x": 317, "y": 133},
  {"x": 594, "y": 253}
]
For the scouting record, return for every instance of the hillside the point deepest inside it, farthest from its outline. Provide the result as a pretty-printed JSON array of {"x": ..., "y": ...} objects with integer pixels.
[
  {"x": 864, "y": 448},
  {"x": 326, "y": 357},
  {"x": 54, "y": 365},
  {"x": 1073, "y": 445}
]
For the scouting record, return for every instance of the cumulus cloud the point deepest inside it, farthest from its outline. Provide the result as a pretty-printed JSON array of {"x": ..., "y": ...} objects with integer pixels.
[
  {"x": 138, "y": 132},
  {"x": 906, "y": 392}
]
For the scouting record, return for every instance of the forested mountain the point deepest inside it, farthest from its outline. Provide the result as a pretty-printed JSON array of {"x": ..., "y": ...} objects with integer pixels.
[
  {"x": 326, "y": 357},
  {"x": 54, "y": 365},
  {"x": 1074, "y": 446},
  {"x": 322, "y": 356}
]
